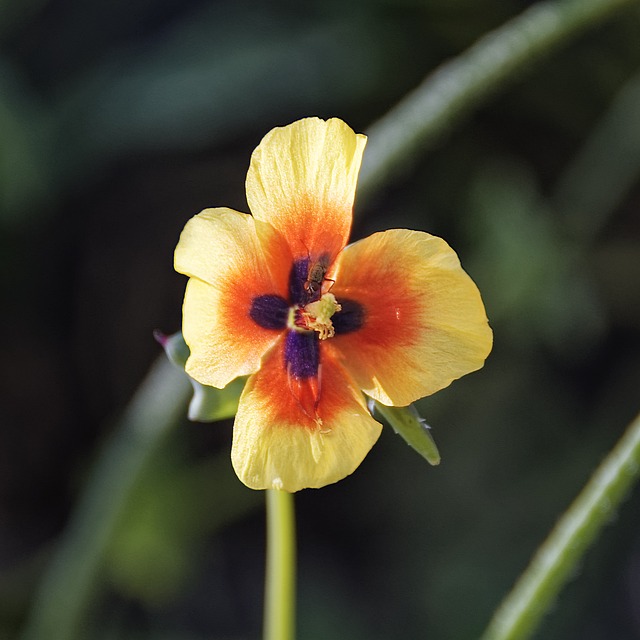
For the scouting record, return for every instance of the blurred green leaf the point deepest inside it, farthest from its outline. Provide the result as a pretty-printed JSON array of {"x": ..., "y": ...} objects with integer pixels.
[
  {"x": 605, "y": 169},
  {"x": 24, "y": 152},
  {"x": 535, "y": 278},
  {"x": 176, "y": 504},
  {"x": 217, "y": 70},
  {"x": 15, "y": 12}
]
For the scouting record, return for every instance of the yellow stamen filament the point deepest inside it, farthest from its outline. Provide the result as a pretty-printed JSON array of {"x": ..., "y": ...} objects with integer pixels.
[
  {"x": 319, "y": 315},
  {"x": 316, "y": 316}
]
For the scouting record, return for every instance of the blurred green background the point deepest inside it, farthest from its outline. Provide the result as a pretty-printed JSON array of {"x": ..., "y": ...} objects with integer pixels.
[{"x": 120, "y": 120}]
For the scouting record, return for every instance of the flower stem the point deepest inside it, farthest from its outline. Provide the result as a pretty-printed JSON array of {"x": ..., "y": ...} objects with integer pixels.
[
  {"x": 556, "y": 560},
  {"x": 279, "y": 616}
]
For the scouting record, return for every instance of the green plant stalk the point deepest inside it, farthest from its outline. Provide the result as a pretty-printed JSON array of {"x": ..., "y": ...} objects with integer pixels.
[
  {"x": 555, "y": 562},
  {"x": 458, "y": 86},
  {"x": 71, "y": 583},
  {"x": 279, "y": 603}
]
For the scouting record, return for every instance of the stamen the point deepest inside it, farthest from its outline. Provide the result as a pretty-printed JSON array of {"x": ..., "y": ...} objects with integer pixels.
[{"x": 316, "y": 316}]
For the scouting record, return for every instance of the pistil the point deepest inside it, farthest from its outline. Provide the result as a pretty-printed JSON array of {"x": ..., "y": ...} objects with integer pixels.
[{"x": 315, "y": 316}]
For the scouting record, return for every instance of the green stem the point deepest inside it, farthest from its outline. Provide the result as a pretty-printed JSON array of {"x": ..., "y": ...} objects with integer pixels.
[
  {"x": 556, "y": 560},
  {"x": 279, "y": 617},
  {"x": 456, "y": 87}
]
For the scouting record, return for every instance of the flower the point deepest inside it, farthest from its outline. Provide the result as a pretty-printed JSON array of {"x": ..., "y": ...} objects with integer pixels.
[{"x": 278, "y": 296}]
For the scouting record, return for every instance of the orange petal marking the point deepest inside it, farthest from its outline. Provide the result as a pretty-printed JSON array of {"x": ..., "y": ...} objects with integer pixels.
[
  {"x": 424, "y": 321},
  {"x": 287, "y": 441},
  {"x": 302, "y": 180},
  {"x": 231, "y": 259}
]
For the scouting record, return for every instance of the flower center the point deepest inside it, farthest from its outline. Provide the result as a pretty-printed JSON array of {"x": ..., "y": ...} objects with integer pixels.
[{"x": 315, "y": 316}]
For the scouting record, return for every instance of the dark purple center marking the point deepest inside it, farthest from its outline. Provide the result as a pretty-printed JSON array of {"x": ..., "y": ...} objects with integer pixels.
[
  {"x": 302, "y": 348},
  {"x": 350, "y": 318},
  {"x": 269, "y": 311},
  {"x": 302, "y": 354},
  {"x": 301, "y": 287},
  {"x": 297, "y": 278}
]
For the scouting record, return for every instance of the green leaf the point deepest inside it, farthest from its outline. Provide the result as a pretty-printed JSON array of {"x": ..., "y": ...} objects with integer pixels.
[
  {"x": 408, "y": 424},
  {"x": 208, "y": 404}
]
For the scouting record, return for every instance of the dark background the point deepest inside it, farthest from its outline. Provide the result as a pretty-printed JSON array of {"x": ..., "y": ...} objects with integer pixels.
[{"x": 120, "y": 120}]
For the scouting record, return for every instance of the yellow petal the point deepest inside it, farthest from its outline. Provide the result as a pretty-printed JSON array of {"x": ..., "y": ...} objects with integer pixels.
[
  {"x": 302, "y": 180},
  {"x": 424, "y": 322},
  {"x": 231, "y": 259},
  {"x": 276, "y": 444}
]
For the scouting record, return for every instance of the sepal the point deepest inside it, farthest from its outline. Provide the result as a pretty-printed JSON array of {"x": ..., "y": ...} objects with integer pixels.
[
  {"x": 408, "y": 424},
  {"x": 208, "y": 404},
  {"x": 174, "y": 346}
]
